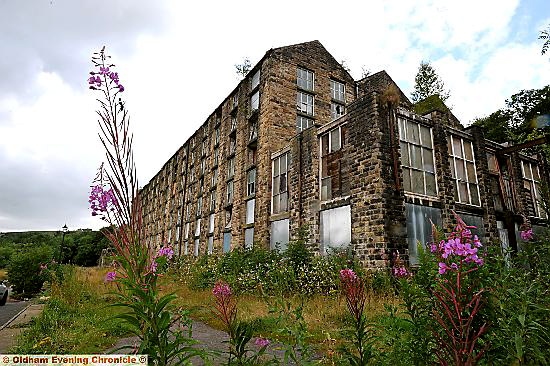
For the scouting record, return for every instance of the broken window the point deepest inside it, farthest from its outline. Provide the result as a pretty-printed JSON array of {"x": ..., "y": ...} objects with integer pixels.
[
  {"x": 419, "y": 227},
  {"x": 335, "y": 228},
  {"x": 280, "y": 184},
  {"x": 463, "y": 170},
  {"x": 337, "y": 110},
  {"x": 531, "y": 182},
  {"x": 334, "y": 172},
  {"x": 304, "y": 103},
  {"x": 251, "y": 182},
  {"x": 417, "y": 158},
  {"x": 280, "y": 234}
]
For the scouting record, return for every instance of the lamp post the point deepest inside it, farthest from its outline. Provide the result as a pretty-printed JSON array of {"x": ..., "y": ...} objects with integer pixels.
[{"x": 64, "y": 229}]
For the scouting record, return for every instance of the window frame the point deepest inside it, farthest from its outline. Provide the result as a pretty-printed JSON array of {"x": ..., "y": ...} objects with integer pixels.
[
  {"x": 454, "y": 170},
  {"x": 304, "y": 82},
  {"x": 534, "y": 187},
  {"x": 276, "y": 196}
]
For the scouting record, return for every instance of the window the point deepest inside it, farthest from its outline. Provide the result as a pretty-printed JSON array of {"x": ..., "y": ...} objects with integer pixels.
[
  {"x": 229, "y": 192},
  {"x": 230, "y": 167},
  {"x": 334, "y": 175},
  {"x": 419, "y": 227},
  {"x": 217, "y": 135},
  {"x": 216, "y": 153},
  {"x": 250, "y": 211},
  {"x": 303, "y": 123},
  {"x": 235, "y": 100},
  {"x": 196, "y": 251},
  {"x": 204, "y": 147},
  {"x": 232, "y": 145},
  {"x": 228, "y": 217},
  {"x": 463, "y": 170},
  {"x": 304, "y": 79},
  {"x": 213, "y": 201},
  {"x": 199, "y": 206},
  {"x": 417, "y": 158},
  {"x": 255, "y": 101},
  {"x": 178, "y": 232},
  {"x": 210, "y": 245},
  {"x": 249, "y": 238},
  {"x": 233, "y": 123},
  {"x": 338, "y": 91},
  {"x": 337, "y": 110},
  {"x": 198, "y": 227},
  {"x": 203, "y": 165},
  {"x": 335, "y": 228},
  {"x": 280, "y": 234},
  {"x": 186, "y": 231},
  {"x": 279, "y": 187},
  {"x": 211, "y": 224},
  {"x": 252, "y": 131},
  {"x": 251, "y": 182},
  {"x": 531, "y": 182},
  {"x": 255, "y": 80},
  {"x": 214, "y": 179},
  {"x": 226, "y": 242},
  {"x": 304, "y": 103}
]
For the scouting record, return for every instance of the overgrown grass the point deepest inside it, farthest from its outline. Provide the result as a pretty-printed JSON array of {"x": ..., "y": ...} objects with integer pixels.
[{"x": 76, "y": 319}]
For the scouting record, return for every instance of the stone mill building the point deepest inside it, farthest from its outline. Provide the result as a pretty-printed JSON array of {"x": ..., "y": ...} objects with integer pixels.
[{"x": 300, "y": 144}]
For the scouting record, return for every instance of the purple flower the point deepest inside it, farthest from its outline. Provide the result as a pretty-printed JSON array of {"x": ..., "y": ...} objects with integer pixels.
[
  {"x": 262, "y": 342},
  {"x": 114, "y": 77},
  {"x": 221, "y": 290},
  {"x": 110, "y": 276},
  {"x": 101, "y": 200},
  {"x": 165, "y": 252},
  {"x": 347, "y": 275},
  {"x": 526, "y": 235},
  {"x": 103, "y": 70},
  {"x": 120, "y": 88},
  {"x": 443, "y": 267},
  {"x": 401, "y": 272},
  {"x": 154, "y": 266}
]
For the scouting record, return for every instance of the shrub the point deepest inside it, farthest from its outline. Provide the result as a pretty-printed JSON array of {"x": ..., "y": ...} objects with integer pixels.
[{"x": 24, "y": 269}]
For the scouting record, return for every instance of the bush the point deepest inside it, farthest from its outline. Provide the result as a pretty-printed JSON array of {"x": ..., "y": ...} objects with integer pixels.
[{"x": 24, "y": 271}]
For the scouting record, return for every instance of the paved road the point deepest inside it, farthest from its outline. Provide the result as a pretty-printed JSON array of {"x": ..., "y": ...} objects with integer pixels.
[{"x": 10, "y": 310}]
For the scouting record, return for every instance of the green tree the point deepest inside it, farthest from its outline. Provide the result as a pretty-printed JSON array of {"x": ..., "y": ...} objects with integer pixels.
[
  {"x": 243, "y": 68},
  {"x": 545, "y": 36},
  {"x": 427, "y": 83}
]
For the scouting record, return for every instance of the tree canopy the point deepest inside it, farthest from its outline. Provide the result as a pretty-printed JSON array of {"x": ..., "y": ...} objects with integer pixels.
[{"x": 427, "y": 83}]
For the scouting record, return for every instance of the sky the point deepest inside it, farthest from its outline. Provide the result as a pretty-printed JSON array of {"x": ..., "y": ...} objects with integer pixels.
[{"x": 177, "y": 61}]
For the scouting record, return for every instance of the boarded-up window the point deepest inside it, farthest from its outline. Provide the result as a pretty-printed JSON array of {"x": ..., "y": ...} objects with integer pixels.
[
  {"x": 419, "y": 227},
  {"x": 280, "y": 234},
  {"x": 335, "y": 228}
]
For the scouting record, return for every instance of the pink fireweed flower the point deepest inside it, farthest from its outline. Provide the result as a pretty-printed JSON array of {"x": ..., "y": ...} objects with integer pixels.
[
  {"x": 443, "y": 267},
  {"x": 114, "y": 77},
  {"x": 101, "y": 200},
  {"x": 262, "y": 342},
  {"x": 401, "y": 272},
  {"x": 221, "y": 290},
  {"x": 120, "y": 88},
  {"x": 165, "y": 252},
  {"x": 526, "y": 235},
  {"x": 103, "y": 70},
  {"x": 153, "y": 267},
  {"x": 110, "y": 276},
  {"x": 347, "y": 275}
]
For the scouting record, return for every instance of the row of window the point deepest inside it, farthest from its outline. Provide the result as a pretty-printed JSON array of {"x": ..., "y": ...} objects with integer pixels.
[{"x": 305, "y": 99}]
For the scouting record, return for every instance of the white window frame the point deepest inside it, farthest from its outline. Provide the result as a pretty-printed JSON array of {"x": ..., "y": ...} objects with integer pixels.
[
  {"x": 198, "y": 227},
  {"x": 303, "y": 123},
  {"x": 277, "y": 196},
  {"x": 533, "y": 185},
  {"x": 255, "y": 80},
  {"x": 334, "y": 114},
  {"x": 305, "y": 79},
  {"x": 255, "y": 101},
  {"x": 409, "y": 143},
  {"x": 305, "y": 103},
  {"x": 251, "y": 182},
  {"x": 454, "y": 157},
  {"x": 338, "y": 91},
  {"x": 230, "y": 192},
  {"x": 230, "y": 167}
]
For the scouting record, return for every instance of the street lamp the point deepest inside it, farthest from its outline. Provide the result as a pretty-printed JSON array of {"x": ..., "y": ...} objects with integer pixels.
[{"x": 64, "y": 229}]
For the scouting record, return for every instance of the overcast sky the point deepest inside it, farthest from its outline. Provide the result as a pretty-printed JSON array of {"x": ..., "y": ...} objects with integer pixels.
[{"x": 176, "y": 60}]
